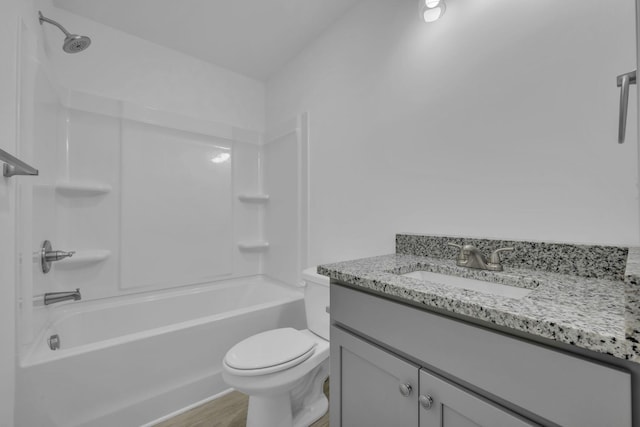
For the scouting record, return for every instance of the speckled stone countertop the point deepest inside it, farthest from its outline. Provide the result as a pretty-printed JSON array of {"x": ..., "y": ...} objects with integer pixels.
[{"x": 594, "y": 313}]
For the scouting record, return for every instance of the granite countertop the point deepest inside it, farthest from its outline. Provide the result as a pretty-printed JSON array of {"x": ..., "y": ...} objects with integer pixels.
[{"x": 594, "y": 313}]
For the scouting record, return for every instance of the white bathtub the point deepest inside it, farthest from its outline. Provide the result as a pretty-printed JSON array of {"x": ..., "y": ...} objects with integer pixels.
[{"x": 127, "y": 361}]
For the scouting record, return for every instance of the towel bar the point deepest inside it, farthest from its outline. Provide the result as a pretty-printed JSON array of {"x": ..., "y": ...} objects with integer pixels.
[{"x": 14, "y": 166}]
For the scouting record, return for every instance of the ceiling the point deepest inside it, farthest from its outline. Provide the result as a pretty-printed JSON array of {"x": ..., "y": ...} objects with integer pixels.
[{"x": 251, "y": 37}]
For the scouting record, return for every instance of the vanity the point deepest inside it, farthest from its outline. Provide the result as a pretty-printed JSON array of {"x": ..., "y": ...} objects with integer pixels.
[{"x": 418, "y": 339}]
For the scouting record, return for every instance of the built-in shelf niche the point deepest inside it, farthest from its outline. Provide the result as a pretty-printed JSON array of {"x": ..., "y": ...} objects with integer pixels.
[
  {"x": 84, "y": 258},
  {"x": 82, "y": 189},
  {"x": 254, "y": 198},
  {"x": 253, "y": 246}
]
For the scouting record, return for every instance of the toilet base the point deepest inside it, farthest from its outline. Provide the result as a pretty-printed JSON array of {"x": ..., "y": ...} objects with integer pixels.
[
  {"x": 312, "y": 413},
  {"x": 300, "y": 407},
  {"x": 269, "y": 411}
]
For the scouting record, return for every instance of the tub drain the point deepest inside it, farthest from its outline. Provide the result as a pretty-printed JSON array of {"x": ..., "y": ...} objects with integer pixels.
[{"x": 54, "y": 342}]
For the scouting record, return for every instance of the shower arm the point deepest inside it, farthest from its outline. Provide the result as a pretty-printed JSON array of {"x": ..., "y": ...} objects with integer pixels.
[{"x": 51, "y": 21}]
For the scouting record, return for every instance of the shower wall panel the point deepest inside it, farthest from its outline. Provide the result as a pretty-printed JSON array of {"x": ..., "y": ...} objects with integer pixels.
[
  {"x": 176, "y": 211},
  {"x": 148, "y": 199},
  {"x": 285, "y": 177},
  {"x": 86, "y": 220}
]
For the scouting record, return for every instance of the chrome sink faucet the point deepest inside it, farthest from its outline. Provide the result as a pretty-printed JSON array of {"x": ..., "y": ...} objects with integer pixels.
[{"x": 469, "y": 256}]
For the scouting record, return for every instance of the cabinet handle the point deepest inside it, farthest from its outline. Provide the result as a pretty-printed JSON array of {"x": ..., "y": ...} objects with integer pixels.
[
  {"x": 426, "y": 401},
  {"x": 405, "y": 389}
]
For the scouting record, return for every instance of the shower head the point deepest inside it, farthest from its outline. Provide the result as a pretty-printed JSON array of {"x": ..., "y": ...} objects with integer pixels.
[{"x": 73, "y": 43}]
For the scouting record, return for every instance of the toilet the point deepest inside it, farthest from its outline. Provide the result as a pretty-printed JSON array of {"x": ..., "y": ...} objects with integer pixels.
[{"x": 283, "y": 370}]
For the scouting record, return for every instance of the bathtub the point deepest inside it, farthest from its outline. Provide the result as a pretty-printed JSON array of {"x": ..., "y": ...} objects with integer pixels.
[{"x": 128, "y": 361}]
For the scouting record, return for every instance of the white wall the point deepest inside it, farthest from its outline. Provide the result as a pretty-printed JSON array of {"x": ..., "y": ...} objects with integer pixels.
[
  {"x": 500, "y": 121},
  {"x": 124, "y": 67},
  {"x": 8, "y": 32}
]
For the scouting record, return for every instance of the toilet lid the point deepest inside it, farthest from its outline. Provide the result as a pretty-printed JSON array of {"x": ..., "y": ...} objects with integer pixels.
[{"x": 270, "y": 348}]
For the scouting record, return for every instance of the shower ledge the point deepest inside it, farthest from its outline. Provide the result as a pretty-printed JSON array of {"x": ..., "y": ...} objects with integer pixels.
[
  {"x": 82, "y": 188},
  {"x": 83, "y": 258},
  {"x": 253, "y": 246},
  {"x": 254, "y": 198}
]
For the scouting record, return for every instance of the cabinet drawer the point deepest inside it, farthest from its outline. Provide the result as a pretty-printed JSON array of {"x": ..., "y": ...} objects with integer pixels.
[{"x": 566, "y": 390}]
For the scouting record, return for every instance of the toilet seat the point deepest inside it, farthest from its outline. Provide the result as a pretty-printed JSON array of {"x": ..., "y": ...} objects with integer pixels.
[{"x": 269, "y": 352}]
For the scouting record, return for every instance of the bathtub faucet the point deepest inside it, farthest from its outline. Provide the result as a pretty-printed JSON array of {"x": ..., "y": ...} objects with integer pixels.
[{"x": 54, "y": 297}]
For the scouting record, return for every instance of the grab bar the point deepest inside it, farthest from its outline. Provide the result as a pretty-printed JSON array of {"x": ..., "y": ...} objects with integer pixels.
[{"x": 623, "y": 81}]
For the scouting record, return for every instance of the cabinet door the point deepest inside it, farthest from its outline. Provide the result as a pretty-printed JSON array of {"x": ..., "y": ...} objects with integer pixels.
[
  {"x": 375, "y": 388},
  {"x": 446, "y": 405}
]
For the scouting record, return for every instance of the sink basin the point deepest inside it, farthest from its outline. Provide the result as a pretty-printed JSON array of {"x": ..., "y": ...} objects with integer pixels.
[{"x": 490, "y": 288}]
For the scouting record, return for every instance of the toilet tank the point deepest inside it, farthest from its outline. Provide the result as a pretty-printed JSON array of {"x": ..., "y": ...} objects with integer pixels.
[{"x": 316, "y": 302}]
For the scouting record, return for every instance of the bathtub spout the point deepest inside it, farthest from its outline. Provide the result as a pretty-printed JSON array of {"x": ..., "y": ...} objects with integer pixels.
[{"x": 54, "y": 297}]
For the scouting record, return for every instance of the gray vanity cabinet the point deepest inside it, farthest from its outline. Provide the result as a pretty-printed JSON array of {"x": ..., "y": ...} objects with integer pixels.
[
  {"x": 388, "y": 358},
  {"x": 380, "y": 389}
]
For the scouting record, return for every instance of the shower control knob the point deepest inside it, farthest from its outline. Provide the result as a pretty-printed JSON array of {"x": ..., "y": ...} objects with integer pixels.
[
  {"x": 426, "y": 401},
  {"x": 405, "y": 389},
  {"x": 48, "y": 255},
  {"x": 58, "y": 255}
]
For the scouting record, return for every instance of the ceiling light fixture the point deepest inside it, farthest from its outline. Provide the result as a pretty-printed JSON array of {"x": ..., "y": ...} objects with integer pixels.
[{"x": 432, "y": 10}]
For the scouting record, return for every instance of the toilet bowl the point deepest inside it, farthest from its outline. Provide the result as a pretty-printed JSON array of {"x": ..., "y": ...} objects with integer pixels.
[{"x": 283, "y": 370}]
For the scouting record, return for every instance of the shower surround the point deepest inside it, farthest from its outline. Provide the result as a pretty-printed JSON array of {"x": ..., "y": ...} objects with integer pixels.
[{"x": 187, "y": 239}]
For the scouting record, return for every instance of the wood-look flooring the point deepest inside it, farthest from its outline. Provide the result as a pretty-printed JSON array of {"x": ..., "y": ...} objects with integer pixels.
[{"x": 229, "y": 410}]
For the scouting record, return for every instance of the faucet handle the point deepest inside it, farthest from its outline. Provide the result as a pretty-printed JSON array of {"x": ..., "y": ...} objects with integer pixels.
[
  {"x": 48, "y": 255},
  {"x": 494, "y": 261},
  {"x": 495, "y": 255},
  {"x": 461, "y": 255}
]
